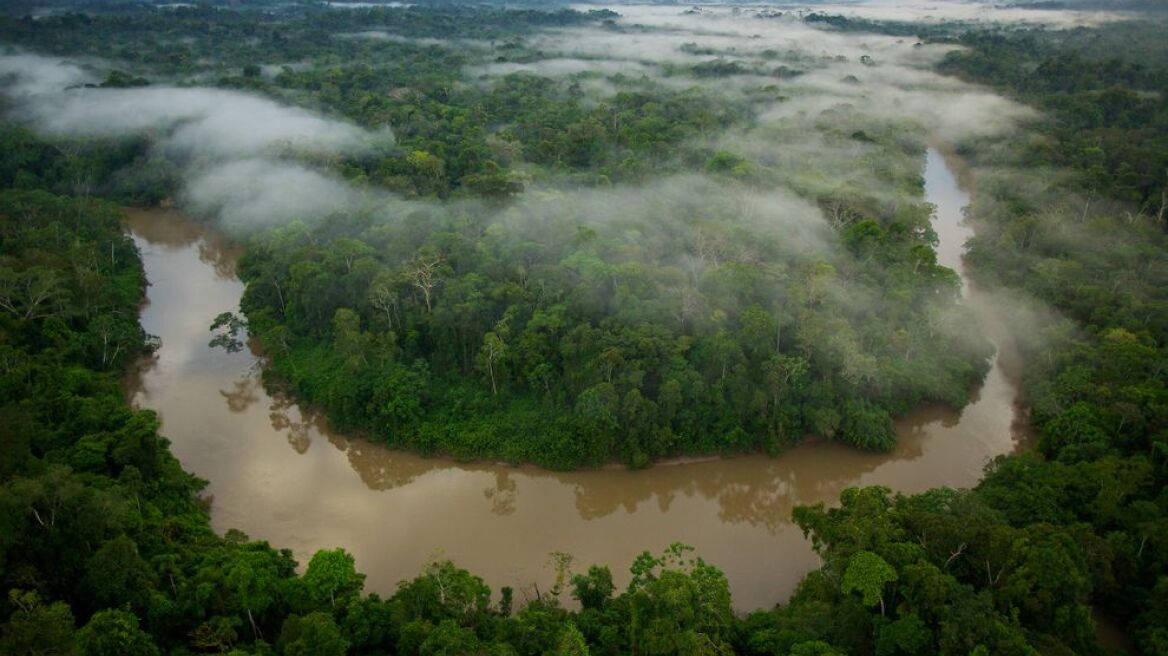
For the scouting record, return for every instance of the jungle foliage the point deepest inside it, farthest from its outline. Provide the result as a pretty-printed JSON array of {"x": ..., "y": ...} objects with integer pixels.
[{"x": 445, "y": 327}]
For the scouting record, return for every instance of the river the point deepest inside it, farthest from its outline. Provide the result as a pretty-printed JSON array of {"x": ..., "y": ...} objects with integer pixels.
[{"x": 277, "y": 473}]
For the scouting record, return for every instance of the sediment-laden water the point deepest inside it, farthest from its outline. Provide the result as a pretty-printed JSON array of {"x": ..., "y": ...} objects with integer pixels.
[{"x": 279, "y": 474}]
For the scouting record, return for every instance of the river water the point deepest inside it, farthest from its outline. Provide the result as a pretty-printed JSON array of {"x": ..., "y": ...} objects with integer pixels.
[{"x": 277, "y": 472}]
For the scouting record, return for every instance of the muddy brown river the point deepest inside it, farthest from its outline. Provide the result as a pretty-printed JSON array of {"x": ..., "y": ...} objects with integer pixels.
[{"x": 277, "y": 473}]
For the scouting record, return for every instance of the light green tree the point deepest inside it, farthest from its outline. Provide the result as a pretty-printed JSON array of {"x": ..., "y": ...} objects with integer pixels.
[
  {"x": 867, "y": 573},
  {"x": 332, "y": 576}
]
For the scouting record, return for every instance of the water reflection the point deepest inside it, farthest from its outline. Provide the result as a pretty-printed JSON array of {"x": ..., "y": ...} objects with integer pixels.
[
  {"x": 502, "y": 494},
  {"x": 754, "y": 490},
  {"x": 242, "y": 394},
  {"x": 278, "y": 473},
  {"x": 169, "y": 228},
  {"x": 299, "y": 431}
]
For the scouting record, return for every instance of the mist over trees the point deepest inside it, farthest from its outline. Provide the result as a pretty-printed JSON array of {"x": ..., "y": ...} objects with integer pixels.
[
  {"x": 572, "y": 237},
  {"x": 638, "y": 318},
  {"x": 683, "y": 311}
]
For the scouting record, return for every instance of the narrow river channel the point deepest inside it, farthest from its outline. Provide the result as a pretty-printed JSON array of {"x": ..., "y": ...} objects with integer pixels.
[{"x": 277, "y": 473}]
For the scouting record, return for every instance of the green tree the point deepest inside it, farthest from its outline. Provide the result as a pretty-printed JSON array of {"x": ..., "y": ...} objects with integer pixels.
[
  {"x": 37, "y": 629},
  {"x": 117, "y": 574},
  {"x": 593, "y": 589},
  {"x": 252, "y": 576},
  {"x": 490, "y": 354},
  {"x": 572, "y": 642},
  {"x": 907, "y": 636},
  {"x": 315, "y": 634},
  {"x": 450, "y": 639},
  {"x": 332, "y": 576},
  {"x": 678, "y": 604},
  {"x": 115, "y": 633},
  {"x": 867, "y": 574}
]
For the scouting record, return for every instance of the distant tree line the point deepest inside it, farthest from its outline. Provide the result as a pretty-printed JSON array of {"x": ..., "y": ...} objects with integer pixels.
[{"x": 106, "y": 548}]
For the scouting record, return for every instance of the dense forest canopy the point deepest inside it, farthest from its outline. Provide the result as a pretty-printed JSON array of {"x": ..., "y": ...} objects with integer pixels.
[
  {"x": 619, "y": 267},
  {"x": 571, "y": 237}
]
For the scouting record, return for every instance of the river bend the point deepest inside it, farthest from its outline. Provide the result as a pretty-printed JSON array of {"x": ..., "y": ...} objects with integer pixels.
[{"x": 277, "y": 473}]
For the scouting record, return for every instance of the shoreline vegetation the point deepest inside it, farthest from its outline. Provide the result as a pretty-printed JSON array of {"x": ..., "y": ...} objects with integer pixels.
[
  {"x": 492, "y": 359},
  {"x": 105, "y": 547}
]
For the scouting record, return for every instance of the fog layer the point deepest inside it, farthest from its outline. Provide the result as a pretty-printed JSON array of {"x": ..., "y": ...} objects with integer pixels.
[{"x": 233, "y": 149}]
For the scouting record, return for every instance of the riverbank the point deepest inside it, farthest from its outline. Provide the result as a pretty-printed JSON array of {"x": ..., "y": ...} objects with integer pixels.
[{"x": 278, "y": 473}]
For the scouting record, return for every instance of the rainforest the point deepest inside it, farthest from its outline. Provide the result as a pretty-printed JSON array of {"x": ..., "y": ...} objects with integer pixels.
[{"x": 526, "y": 328}]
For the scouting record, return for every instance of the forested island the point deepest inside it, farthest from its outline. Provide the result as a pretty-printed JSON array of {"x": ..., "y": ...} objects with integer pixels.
[{"x": 570, "y": 237}]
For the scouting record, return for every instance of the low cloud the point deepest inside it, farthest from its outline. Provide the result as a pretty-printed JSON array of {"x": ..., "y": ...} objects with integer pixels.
[
  {"x": 987, "y": 13},
  {"x": 665, "y": 207},
  {"x": 263, "y": 192},
  {"x": 32, "y": 75},
  {"x": 197, "y": 122},
  {"x": 564, "y": 66},
  {"x": 231, "y": 148},
  {"x": 884, "y": 77},
  {"x": 237, "y": 146},
  {"x": 382, "y": 35}
]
